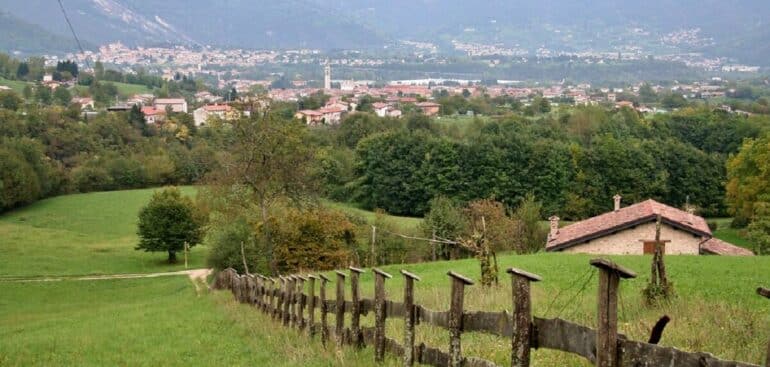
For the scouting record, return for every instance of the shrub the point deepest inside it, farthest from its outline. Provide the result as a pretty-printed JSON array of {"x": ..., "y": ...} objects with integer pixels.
[{"x": 713, "y": 225}]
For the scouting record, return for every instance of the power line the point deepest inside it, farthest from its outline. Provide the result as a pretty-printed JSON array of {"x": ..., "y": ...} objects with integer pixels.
[{"x": 72, "y": 29}]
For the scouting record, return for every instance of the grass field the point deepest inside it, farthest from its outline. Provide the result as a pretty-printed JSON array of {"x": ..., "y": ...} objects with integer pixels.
[
  {"x": 15, "y": 85},
  {"x": 716, "y": 309},
  {"x": 92, "y": 233},
  {"x": 405, "y": 223},
  {"x": 162, "y": 321},
  {"x": 124, "y": 89},
  {"x": 145, "y": 322}
]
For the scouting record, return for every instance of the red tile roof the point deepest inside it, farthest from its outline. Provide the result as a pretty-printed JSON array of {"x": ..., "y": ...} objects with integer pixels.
[
  {"x": 632, "y": 215},
  {"x": 217, "y": 107},
  {"x": 331, "y": 109},
  {"x": 150, "y": 111},
  {"x": 718, "y": 247}
]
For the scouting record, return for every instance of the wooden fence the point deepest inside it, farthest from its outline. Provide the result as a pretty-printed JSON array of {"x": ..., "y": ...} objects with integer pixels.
[{"x": 285, "y": 299}]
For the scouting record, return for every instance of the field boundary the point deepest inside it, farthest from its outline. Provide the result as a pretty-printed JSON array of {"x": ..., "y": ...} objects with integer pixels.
[
  {"x": 285, "y": 299},
  {"x": 193, "y": 273}
]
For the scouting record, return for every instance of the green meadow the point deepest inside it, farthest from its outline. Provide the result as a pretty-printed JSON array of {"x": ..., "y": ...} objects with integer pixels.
[
  {"x": 82, "y": 234},
  {"x": 164, "y": 321}
]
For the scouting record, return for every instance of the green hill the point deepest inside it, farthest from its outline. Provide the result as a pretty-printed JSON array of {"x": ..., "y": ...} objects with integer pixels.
[{"x": 24, "y": 37}]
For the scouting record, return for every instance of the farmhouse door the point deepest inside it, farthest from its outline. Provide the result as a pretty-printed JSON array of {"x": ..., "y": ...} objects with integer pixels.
[{"x": 649, "y": 247}]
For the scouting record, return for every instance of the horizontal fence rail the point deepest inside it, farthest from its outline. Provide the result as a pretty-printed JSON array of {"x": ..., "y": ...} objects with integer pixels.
[{"x": 292, "y": 301}]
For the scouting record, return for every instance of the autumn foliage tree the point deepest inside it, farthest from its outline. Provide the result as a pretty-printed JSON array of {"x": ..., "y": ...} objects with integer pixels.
[{"x": 313, "y": 239}]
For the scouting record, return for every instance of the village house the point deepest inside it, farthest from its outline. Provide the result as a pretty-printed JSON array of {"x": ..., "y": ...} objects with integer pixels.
[
  {"x": 153, "y": 115},
  {"x": 429, "y": 108},
  {"x": 332, "y": 115},
  {"x": 221, "y": 111},
  {"x": 309, "y": 117},
  {"x": 631, "y": 231},
  {"x": 176, "y": 104}
]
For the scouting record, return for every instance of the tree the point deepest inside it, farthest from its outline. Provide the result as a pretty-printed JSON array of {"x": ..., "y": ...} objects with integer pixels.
[
  {"x": 43, "y": 94},
  {"x": 167, "y": 223},
  {"x": 529, "y": 236},
  {"x": 748, "y": 175},
  {"x": 268, "y": 160},
  {"x": 759, "y": 229},
  {"x": 317, "y": 239},
  {"x": 22, "y": 71},
  {"x": 62, "y": 96},
  {"x": 10, "y": 100},
  {"x": 444, "y": 220}
]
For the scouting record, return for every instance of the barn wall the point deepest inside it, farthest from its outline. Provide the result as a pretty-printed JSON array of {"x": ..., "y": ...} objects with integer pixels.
[{"x": 628, "y": 242}]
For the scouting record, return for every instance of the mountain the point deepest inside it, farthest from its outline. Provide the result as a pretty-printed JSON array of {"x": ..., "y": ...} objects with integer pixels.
[
  {"x": 736, "y": 28},
  {"x": 20, "y": 36},
  {"x": 732, "y": 28},
  {"x": 231, "y": 23}
]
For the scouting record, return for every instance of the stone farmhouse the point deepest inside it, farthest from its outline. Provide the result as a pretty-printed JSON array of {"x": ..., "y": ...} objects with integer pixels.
[{"x": 631, "y": 231}]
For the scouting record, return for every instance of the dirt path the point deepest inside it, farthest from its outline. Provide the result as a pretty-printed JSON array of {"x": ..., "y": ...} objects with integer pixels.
[{"x": 196, "y": 275}]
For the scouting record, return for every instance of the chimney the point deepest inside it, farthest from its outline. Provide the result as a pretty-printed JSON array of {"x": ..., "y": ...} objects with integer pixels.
[
  {"x": 690, "y": 214},
  {"x": 554, "y": 227},
  {"x": 617, "y": 201}
]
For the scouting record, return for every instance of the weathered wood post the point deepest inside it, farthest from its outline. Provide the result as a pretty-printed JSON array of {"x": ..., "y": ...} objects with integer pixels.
[
  {"x": 252, "y": 289},
  {"x": 257, "y": 291},
  {"x": 607, "y": 318},
  {"x": 339, "y": 321},
  {"x": 522, "y": 316},
  {"x": 311, "y": 304},
  {"x": 379, "y": 313},
  {"x": 764, "y": 292},
  {"x": 288, "y": 308},
  {"x": 456, "y": 317},
  {"x": 271, "y": 296},
  {"x": 355, "y": 318},
  {"x": 281, "y": 299},
  {"x": 410, "y": 315},
  {"x": 237, "y": 287},
  {"x": 300, "y": 307},
  {"x": 324, "y": 309}
]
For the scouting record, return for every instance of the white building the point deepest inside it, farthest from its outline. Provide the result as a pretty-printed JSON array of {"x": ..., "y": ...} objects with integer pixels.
[{"x": 176, "y": 104}]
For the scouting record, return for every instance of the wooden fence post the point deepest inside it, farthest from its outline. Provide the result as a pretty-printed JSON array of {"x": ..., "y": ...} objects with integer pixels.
[
  {"x": 300, "y": 307},
  {"x": 522, "y": 316},
  {"x": 311, "y": 305},
  {"x": 339, "y": 322},
  {"x": 379, "y": 313},
  {"x": 456, "y": 318},
  {"x": 607, "y": 318},
  {"x": 257, "y": 290},
  {"x": 288, "y": 301},
  {"x": 355, "y": 318},
  {"x": 410, "y": 316},
  {"x": 281, "y": 299},
  {"x": 271, "y": 306},
  {"x": 236, "y": 287},
  {"x": 324, "y": 309},
  {"x": 764, "y": 292}
]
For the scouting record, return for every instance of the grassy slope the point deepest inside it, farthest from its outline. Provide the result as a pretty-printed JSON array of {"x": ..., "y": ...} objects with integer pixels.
[
  {"x": 405, "y": 223},
  {"x": 716, "y": 309},
  {"x": 144, "y": 322},
  {"x": 152, "y": 319},
  {"x": 91, "y": 233},
  {"x": 15, "y": 85},
  {"x": 124, "y": 89}
]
